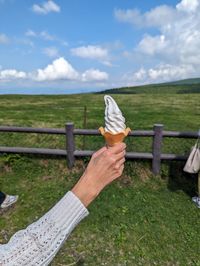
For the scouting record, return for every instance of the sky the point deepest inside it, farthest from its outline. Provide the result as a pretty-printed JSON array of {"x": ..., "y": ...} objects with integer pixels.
[{"x": 61, "y": 46}]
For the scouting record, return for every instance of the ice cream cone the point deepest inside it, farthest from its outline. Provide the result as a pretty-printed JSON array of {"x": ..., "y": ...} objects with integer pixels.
[{"x": 112, "y": 139}]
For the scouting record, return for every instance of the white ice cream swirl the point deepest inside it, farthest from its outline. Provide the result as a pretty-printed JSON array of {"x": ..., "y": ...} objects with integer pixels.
[{"x": 114, "y": 120}]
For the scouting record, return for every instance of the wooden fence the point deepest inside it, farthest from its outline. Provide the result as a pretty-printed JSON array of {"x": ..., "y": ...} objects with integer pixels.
[{"x": 71, "y": 153}]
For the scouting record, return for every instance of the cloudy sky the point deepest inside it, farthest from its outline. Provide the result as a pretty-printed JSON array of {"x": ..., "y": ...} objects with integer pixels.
[{"x": 59, "y": 46}]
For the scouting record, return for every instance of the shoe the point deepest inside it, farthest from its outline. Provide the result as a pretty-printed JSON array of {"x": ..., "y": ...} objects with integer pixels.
[
  {"x": 9, "y": 200},
  {"x": 197, "y": 201}
]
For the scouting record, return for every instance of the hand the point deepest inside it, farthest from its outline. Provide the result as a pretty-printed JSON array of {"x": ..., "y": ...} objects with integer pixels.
[{"x": 105, "y": 166}]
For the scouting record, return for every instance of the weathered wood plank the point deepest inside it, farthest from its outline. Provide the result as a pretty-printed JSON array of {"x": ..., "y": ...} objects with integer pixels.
[
  {"x": 32, "y": 130},
  {"x": 139, "y": 155},
  {"x": 178, "y": 134},
  {"x": 156, "y": 156},
  {"x": 156, "y": 148},
  {"x": 32, "y": 151},
  {"x": 70, "y": 144},
  {"x": 139, "y": 133},
  {"x": 177, "y": 157}
]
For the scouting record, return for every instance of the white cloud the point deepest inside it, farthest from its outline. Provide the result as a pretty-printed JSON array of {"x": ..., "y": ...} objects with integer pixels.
[
  {"x": 155, "y": 17},
  {"x": 46, "y": 7},
  {"x": 60, "y": 69},
  {"x": 107, "y": 63},
  {"x": 31, "y": 33},
  {"x": 176, "y": 46},
  {"x": 179, "y": 39},
  {"x": 132, "y": 16},
  {"x": 46, "y": 36},
  {"x": 11, "y": 74},
  {"x": 140, "y": 75},
  {"x": 188, "y": 5},
  {"x": 151, "y": 45},
  {"x": 159, "y": 16},
  {"x": 43, "y": 35},
  {"x": 27, "y": 42},
  {"x": 51, "y": 51},
  {"x": 170, "y": 72},
  {"x": 90, "y": 51},
  {"x": 3, "y": 38},
  {"x": 94, "y": 75},
  {"x": 160, "y": 73}
]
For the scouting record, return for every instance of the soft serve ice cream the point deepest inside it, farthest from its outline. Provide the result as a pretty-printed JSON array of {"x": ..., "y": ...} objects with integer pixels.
[
  {"x": 115, "y": 129},
  {"x": 114, "y": 120}
]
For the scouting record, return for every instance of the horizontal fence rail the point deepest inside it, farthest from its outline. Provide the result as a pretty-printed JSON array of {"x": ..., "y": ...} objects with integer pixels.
[
  {"x": 135, "y": 133},
  {"x": 71, "y": 153}
]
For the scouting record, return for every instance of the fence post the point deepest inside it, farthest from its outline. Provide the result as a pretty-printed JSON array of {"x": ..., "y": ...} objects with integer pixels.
[
  {"x": 157, "y": 143},
  {"x": 70, "y": 144},
  {"x": 84, "y": 124}
]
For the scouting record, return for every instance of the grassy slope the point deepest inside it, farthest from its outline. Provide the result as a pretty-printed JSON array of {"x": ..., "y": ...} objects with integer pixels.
[
  {"x": 178, "y": 87},
  {"x": 186, "y": 81},
  {"x": 139, "y": 220}
]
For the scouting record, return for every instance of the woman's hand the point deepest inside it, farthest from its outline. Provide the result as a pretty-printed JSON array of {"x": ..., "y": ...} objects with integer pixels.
[{"x": 105, "y": 166}]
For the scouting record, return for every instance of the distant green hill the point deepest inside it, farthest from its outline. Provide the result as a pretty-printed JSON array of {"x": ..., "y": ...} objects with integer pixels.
[
  {"x": 186, "y": 81},
  {"x": 176, "y": 87}
]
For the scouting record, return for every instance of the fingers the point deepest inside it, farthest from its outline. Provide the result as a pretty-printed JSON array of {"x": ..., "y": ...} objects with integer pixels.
[
  {"x": 118, "y": 151},
  {"x": 115, "y": 154},
  {"x": 117, "y": 148},
  {"x": 119, "y": 171},
  {"x": 120, "y": 155},
  {"x": 97, "y": 153},
  {"x": 119, "y": 164}
]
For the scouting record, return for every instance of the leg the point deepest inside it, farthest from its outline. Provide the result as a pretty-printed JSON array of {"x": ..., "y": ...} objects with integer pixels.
[{"x": 2, "y": 197}]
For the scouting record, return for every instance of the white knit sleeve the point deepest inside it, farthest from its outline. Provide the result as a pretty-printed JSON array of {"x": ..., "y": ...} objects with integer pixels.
[{"x": 40, "y": 241}]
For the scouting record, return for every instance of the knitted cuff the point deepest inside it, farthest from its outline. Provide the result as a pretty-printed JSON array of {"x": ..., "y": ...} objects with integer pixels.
[{"x": 68, "y": 212}]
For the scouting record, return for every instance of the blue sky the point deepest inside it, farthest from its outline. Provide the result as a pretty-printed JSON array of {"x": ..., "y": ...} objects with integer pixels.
[{"x": 88, "y": 45}]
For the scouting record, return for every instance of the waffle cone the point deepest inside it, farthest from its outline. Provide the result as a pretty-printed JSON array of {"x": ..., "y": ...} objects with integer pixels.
[{"x": 112, "y": 139}]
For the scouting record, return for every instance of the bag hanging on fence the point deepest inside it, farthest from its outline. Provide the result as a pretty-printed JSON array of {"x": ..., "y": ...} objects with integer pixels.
[{"x": 192, "y": 165}]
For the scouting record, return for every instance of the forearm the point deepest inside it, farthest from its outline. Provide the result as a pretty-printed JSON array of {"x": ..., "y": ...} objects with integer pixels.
[
  {"x": 39, "y": 242},
  {"x": 105, "y": 166},
  {"x": 86, "y": 190}
]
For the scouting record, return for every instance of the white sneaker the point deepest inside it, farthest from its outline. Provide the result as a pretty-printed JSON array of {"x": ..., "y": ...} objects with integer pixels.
[
  {"x": 197, "y": 201},
  {"x": 9, "y": 200}
]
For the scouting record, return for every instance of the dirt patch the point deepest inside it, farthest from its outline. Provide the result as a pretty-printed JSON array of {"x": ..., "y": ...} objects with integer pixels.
[
  {"x": 47, "y": 177},
  {"x": 125, "y": 181},
  {"x": 79, "y": 167},
  {"x": 44, "y": 163},
  {"x": 144, "y": 173}
]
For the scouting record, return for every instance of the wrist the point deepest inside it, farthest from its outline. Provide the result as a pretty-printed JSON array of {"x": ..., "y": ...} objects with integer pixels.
[{"x": 85, "y": 191}]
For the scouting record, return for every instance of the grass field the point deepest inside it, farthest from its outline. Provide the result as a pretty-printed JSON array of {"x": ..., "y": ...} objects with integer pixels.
[
  {"x": 187, "y": 86},
  {"x": 138, "y": 220}
]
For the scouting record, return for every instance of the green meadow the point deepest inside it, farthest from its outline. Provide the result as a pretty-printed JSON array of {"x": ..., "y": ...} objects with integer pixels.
[{"x": 138, "y": 220}]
